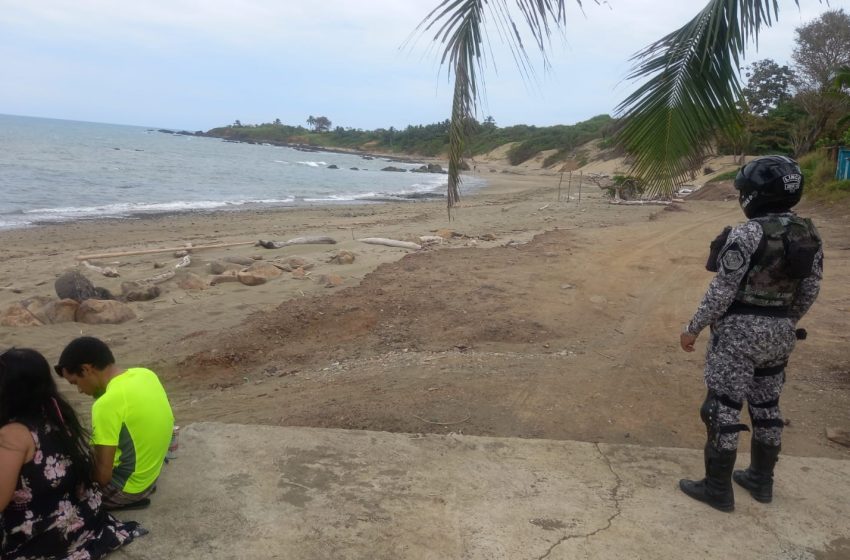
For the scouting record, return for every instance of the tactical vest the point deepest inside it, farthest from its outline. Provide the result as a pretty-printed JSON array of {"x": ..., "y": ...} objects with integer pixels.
[{"x": 785, "y": 257}]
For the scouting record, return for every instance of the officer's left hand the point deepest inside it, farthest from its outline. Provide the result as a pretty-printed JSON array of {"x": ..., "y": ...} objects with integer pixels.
[{"x": 687, "y": 341}]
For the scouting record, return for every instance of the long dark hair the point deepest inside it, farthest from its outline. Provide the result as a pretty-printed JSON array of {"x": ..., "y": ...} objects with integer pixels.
[{"x": 29, "y": 395}]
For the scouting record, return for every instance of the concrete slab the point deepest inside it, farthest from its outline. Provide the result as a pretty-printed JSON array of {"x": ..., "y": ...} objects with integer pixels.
[{"x": 257, "y": 492}]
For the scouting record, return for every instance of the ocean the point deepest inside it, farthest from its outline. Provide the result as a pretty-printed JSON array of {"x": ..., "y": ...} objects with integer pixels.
[{"x": 57, "y": 171}]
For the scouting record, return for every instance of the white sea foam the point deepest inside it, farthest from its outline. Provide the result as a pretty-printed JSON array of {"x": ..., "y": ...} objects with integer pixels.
[
  {"x": 122, "y": 210},
  {"x": 312, "y": 163}
]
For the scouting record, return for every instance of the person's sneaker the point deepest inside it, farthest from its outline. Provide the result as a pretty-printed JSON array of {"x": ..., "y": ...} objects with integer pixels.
[{"x": 141, "y": 504}]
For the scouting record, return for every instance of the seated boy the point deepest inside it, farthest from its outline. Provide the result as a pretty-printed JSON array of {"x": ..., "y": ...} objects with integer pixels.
[{"x": 132, "y": 421}]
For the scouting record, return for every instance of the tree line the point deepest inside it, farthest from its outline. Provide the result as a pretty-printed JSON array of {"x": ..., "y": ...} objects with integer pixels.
[{"x": 786, "y": 109}]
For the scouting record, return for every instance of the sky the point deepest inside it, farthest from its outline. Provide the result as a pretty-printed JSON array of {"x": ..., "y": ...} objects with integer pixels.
[{"x": 198, "y": 64}]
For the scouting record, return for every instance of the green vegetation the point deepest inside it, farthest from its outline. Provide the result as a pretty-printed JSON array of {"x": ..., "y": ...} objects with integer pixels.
[
  {"x": 430, "y": 140},
  {"x": 728, "y": 176},
  {"x": 687, "y": 99},
  {"x": 821, "y": 186}
]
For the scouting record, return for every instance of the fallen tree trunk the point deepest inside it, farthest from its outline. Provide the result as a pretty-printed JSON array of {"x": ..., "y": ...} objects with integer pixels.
[
  {"x": 390, "y": 242},
  {"x": 309, "y": 240}
]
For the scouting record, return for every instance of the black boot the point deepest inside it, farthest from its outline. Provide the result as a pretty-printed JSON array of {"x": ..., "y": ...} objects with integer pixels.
[
  {"x": 716, "y": 488},
  {"x": 758, "y": 478}
]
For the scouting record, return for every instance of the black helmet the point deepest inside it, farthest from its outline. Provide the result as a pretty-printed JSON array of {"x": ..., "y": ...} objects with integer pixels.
[{"x": 769, "y": 184}]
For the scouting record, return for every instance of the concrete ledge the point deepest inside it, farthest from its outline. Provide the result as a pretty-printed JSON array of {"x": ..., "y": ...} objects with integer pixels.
[{"x": 258, "y": 492}]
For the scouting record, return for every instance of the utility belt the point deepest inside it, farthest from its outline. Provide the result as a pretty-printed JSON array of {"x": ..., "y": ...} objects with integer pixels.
[{"x": 740, "y": 308}]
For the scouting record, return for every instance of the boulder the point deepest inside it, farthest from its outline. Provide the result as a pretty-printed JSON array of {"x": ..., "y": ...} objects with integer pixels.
[
  {"x": 104, "y": 312},
  {"x": 332, "y": 166},
  {"x": 429, "y": 168},
  {"x": 298, "y": 262},
  {"x": 102, "y": 293},
  {"x": 180, "y": 254},
  {"x": 299, "y": 274},
  {"x": 191, "y": 281},
  {"x": 396, "y": 169},
  {"x": 17, "y": 315},
  {"x": 330, "y": 280},
  {"x": 73, "y": 285},
  {"x": 51, "y": 311},
  {"x": 244, "y": 261},
  {"x": 258, "y": 273},
  {"x": 220, "y": 267},
  {"x": 134, "y": 291},
  {"x": 229, "y": 276},
  {"x": 445, "y": 233},
  {"x": 343, "y": 257}
]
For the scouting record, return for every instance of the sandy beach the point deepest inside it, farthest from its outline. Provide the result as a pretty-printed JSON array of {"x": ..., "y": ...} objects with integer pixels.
[{"x": 533, "y": 318}]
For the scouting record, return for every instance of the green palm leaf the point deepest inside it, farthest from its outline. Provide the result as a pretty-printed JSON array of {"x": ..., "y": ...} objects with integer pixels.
[
  {"x": 459, "y": 26},
  {"x": 692, "y": 92}
]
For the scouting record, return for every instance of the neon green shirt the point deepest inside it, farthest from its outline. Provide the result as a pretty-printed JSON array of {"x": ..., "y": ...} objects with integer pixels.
[{"x": 134, "y": 416}]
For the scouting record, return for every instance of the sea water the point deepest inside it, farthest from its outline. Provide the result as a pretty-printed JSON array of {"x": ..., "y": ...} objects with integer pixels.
[{"x": 56, "y": 170}]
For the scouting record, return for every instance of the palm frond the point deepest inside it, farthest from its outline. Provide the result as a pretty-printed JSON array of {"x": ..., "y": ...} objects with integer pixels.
[
  {"x": 459, "y": 26},
  {"x": 692, "y": 90},
  {"x": 842, "y": 78}
]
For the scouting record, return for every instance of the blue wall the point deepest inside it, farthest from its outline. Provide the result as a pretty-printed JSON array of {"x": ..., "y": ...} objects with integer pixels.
[{"x": 843, "y": 171}]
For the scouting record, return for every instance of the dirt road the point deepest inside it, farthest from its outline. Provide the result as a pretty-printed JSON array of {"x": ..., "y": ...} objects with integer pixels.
[{"x": 571, "y": 336}]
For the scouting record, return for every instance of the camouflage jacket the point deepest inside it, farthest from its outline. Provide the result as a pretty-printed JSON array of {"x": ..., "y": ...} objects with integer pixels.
[{"x": 733, "y": 265}]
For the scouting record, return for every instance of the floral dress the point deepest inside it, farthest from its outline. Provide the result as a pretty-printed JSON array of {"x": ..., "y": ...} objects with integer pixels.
[{"x": 50, "y": 517}]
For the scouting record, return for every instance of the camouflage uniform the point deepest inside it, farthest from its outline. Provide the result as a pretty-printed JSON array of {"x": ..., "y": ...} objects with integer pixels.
[{"x": 747, "y": 353}]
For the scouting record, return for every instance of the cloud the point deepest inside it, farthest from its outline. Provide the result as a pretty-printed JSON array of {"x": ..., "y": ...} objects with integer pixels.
[{"x": 197, "y": 64}]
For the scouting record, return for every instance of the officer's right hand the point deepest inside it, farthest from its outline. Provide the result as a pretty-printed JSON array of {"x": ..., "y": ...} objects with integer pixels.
[{"x": 687, "y": 341}]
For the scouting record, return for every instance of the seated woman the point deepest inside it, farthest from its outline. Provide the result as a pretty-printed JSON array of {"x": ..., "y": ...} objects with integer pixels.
[{"x": 49, "y": 507}]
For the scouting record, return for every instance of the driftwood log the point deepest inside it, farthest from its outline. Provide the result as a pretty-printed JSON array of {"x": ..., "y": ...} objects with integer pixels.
[
  {"x": 640, "y": 202},
  {"x": 164, "y": 250},
  {"x": 107, "y": 271},
  {"x": 159, "y": 278},
  {"x": 309, "y": 240},
  {"x": 390, "y": 242}
]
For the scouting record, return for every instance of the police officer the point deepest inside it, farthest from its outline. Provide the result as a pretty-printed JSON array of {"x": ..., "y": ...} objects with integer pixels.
[{"x": 768, "y": 273}]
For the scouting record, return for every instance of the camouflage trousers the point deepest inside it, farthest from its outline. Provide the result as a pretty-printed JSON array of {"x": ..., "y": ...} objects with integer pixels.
[{"x": 745, "y": 361}]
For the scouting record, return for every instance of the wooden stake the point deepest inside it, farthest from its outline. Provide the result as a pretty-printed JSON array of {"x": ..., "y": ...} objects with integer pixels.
[
  {"x": 559, "y": 186},
  {"x": 165, "y": 250},
  {"x": 579, "y": 186}
]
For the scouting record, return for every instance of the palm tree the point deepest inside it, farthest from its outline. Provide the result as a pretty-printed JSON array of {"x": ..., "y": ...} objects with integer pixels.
[
  {"x": 841, "y": 82},
  {"x": 667, "y": 123}
]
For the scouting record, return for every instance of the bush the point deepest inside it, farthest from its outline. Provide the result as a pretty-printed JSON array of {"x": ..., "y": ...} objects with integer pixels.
[
  {"x": 629, "y": 187},
  {"x": 728, "y": 176},
  {"x": 820, "y": 184}
]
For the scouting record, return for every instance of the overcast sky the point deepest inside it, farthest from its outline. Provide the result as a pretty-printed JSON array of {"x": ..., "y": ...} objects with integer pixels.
[{"x": 197, "y": 64}]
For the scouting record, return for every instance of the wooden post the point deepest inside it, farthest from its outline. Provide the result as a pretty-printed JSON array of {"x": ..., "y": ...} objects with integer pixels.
[
  {"x": 570, "y": 187},
  {"x": 579, "y": 185},
  {"x": 559, "y": 186}
]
